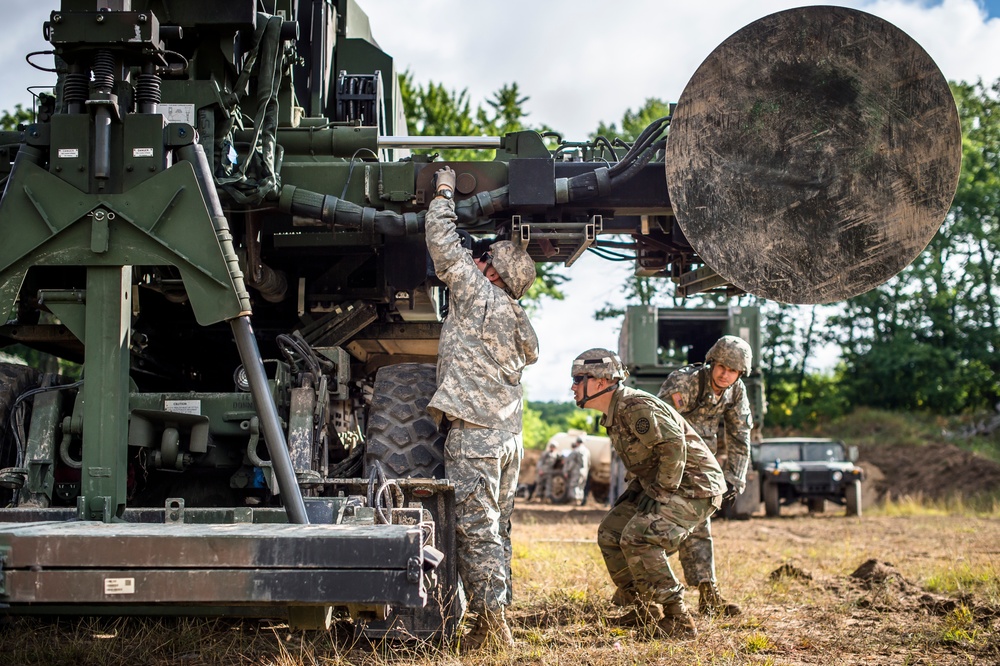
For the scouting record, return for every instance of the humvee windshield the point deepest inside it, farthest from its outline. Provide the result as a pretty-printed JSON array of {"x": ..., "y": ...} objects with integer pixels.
[{"x": 801, "y": 451}]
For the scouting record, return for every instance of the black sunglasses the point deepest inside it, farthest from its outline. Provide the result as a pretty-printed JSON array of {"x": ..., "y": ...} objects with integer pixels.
[
  {"x": 579, "y": 379},
  {"x": 487, "y": 257}
]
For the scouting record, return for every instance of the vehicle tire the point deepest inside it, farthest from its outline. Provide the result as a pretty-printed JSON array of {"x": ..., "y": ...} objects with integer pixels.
[
  {"x": 599, "y": 491},
  {"x": 14, "y": 380},
  {"x": 772, "y": 500},
  {"x": 852, "y": 493},
  {"x": 403, "y": 438},
  {"x": 401, "y": 435},
  {"x": 817, "y": 505},
  {"x": 558, "y": 489}
]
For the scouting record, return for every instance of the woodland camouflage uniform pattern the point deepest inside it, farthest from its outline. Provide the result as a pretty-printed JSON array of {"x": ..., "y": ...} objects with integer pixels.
[
  {"x": 705, "y": 413},
  {"x": 668, "y": 461},
  {"x": 486, "y": 341}
]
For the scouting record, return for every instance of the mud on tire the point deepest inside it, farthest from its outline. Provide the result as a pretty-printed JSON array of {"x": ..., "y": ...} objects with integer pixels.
[{"x": 401, "y": 434}]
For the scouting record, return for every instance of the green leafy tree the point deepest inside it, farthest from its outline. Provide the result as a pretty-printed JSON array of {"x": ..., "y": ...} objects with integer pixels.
[
  {"x": 10, "y": 120},
  {"x": 634, "y": 122},
  {"x": 928, "y": 339},
  {"x": 536, "y": 431}
]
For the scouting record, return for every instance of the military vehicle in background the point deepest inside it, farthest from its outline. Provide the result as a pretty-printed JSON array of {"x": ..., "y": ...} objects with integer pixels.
[
  {"x": 807, "y": 470},
  {"x": 599, "y": 476},
  {"x": 202, "y": 164},
  {"x": 656, "y": 341}
]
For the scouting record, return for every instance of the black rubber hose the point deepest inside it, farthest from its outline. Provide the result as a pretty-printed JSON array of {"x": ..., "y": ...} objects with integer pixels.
[
  {"x": 639, "y": 162},
  {"x": 335, "y": 211}
]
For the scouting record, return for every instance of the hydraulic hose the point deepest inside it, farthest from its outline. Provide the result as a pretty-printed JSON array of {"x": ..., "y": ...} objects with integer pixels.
[{"x": 334, "y": 211}]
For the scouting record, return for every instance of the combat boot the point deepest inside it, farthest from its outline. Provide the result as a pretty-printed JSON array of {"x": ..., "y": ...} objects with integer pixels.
[
  {"x": 640, "y": 616},
  {"x": 711, "y": 601},
  {"x": 491, "y": 632},
  {"x": 676, "y": 622}
]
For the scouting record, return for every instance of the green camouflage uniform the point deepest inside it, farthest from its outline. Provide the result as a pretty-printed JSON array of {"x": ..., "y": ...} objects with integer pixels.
[
  {"x": 667, "y": 461},
  {"x": 705, "y": 413},
  {"x": 486, "y": 341}
]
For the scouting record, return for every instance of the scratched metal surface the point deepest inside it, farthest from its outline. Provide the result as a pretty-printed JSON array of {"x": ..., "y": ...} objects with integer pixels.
[{"x": 813, "y": 155}]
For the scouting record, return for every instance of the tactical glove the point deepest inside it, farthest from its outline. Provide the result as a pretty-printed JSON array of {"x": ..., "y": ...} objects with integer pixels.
[
  {"x": 648, "y": 505},
  {"x": 630, "y": 495},
  {"x": 444, "y": 178},
  {"x": 730, "y": 493}
]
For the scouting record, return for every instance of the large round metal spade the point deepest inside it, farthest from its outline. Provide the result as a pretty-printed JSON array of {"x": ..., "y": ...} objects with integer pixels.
[{"x": 813, "y": 155}]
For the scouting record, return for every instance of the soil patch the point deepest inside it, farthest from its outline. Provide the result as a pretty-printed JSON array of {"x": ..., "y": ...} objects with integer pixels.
[{"x": 934, "y": 470}]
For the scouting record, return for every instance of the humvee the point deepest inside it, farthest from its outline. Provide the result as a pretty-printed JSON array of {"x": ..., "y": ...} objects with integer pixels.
[{"x": 807, "y": 470}]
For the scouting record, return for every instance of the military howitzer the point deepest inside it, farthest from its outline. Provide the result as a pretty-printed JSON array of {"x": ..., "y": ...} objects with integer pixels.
[{"x": 202, "y": 164}]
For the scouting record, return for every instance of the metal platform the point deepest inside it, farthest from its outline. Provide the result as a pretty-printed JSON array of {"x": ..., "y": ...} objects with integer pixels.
[{"x": 83, "y": 562}]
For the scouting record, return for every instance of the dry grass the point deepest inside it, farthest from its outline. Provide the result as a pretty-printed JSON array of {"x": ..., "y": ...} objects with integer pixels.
[{"x": 939, "y": 604}]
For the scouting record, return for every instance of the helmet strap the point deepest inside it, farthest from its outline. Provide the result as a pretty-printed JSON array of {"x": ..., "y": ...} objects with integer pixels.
[{"x": 587, "y": 398}]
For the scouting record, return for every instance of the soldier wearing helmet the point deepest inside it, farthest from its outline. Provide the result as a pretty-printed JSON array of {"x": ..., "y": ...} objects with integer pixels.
[
  {"x": 486, "y": 342},
  {"x": 710, "y": 396},
  {"x": 675, "y": 485}
]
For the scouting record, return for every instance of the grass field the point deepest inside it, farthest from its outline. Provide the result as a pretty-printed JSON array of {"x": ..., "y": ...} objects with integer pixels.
[{"x": 925, "y": 591}]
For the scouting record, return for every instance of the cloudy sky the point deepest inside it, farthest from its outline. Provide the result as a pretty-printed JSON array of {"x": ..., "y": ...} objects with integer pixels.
[{"x": 580, "y": 62}]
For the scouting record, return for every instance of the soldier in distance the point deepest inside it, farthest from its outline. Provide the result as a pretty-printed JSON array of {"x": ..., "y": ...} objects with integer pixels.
[
  {"x": 675, "y": 484},
  {"x": 544, "y": 471},
  {"x": 708, "y": 396},
  {"x": 577, "y": 471},
  {"x": 486, "y": 342}
]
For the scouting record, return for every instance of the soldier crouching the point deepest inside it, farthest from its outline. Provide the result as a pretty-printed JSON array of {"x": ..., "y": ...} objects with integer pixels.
[{"x": 676, "y": 484}]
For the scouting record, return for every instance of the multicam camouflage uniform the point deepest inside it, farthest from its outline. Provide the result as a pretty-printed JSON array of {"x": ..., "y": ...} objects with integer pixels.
[
  {"x": 486, "y": 342},
  {"x": 672, "y": 465},
  {"x": 694, "y": 398}
]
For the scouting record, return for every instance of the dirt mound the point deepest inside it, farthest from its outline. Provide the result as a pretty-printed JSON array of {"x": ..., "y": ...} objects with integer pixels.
[
  {"x": 934, "y": 470},
  {"x": 879, "y": 586},
  {"x": 874, "y": 574},
  {"x": 789, "y": 571}
]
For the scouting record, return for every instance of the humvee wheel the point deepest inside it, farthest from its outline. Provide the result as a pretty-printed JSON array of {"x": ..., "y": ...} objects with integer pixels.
[
  {"x": 772, "y": 500},
  {"x": 558, "y": 489},
  {"x": 14, "y": 380},
  {"x": 853, "y": 497}
]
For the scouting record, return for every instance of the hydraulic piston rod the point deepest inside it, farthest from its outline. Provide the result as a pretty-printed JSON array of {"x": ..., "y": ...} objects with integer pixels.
[{"x": 484, "y": 142}]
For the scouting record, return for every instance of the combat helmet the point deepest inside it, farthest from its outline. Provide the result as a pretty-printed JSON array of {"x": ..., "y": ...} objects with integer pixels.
[
  {"x": 732, "y": 352},
  {"x": 514, "y": 266},
  {"x": 599, "y": 364}
]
